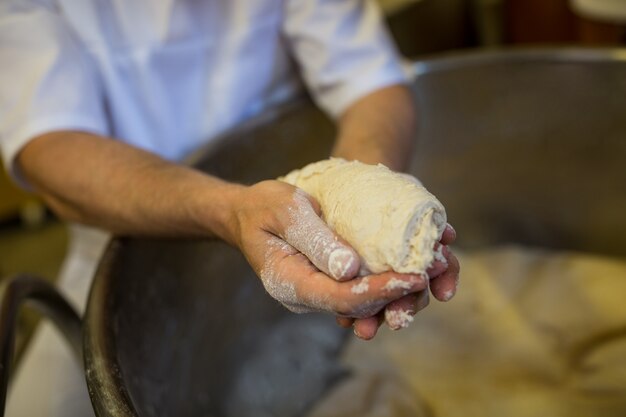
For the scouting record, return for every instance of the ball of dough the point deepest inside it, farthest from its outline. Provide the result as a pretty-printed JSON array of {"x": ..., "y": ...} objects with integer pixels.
[{"x": 389, "y": 218}]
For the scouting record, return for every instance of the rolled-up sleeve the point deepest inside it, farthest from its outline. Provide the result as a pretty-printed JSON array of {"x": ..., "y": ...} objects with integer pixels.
[
  {"x": 343, "y": 49},
  {"x": 47, "y": 80}
]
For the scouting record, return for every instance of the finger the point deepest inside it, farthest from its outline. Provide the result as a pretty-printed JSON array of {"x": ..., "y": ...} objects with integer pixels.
[
  {"x": 366, "y": 296},
  {"x": 345, "y": 322},
  {"x": 367, "y": 328},
  {"x": 399, "y": 314},
  {"x": 444, "y": 286},
  {"x": 281, "y": 263},
  {"x": 423, "y": 299},
  {"x": 293, "y": 280},
  {"x": 308, "y": 233},
  {"x": 449, "y": 235},
  {"x": 440, "y": 262}
]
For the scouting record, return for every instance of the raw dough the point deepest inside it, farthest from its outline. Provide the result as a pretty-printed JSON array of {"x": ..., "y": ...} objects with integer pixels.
[
  {"x": 533, "y": 333},
  {"x": 390, "y": 219}
]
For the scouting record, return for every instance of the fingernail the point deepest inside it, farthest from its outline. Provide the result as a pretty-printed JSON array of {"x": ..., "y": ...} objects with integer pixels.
[
  {"x": 340, "y": 262},
  {"x": 356, "y": 333},
  {"x": 452, "y": 228}
]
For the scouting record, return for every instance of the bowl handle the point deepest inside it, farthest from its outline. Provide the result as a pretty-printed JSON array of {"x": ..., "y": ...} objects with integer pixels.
[{"x": 46, "y": 299}]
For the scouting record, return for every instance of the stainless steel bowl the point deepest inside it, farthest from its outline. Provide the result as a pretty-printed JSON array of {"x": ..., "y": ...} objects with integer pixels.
[{"x": 523, "y": 146}]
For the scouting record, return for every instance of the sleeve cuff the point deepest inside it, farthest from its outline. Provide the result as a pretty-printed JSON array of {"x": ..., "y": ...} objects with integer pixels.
[{"x": 337, "y": 99}]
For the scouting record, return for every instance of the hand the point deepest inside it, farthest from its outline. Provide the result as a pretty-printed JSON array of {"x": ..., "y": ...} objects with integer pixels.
[
  {"x": 444, "y": 278},
  {"x": 301, "y": 262}
]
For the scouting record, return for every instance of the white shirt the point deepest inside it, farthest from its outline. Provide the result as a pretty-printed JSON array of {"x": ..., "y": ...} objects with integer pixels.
[{"x": 167, "y": 75}]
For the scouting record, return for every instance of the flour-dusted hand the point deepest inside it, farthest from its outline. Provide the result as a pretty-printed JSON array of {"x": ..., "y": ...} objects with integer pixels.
[
  {"x": 301, "y": 262},
  {"x": 389, "y": 218},
  {"x": 393, "y": 222}
]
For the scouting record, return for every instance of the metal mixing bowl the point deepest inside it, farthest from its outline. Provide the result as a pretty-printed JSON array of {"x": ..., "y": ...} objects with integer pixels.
[{"x": 523, "y": 146}]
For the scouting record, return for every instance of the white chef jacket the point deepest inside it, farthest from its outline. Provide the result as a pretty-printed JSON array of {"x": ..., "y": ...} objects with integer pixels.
[{"x": 167, "y": 75}]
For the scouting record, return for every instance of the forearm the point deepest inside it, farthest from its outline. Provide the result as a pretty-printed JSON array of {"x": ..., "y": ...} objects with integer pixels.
[
  {"x": 109, "y": 184},
  {"x": 379, "y": 128}
]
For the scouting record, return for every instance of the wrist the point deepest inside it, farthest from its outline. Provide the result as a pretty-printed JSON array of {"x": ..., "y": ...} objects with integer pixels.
[
  {"x": 215, "y": 210},
  {"x": 372, "y": 136}
]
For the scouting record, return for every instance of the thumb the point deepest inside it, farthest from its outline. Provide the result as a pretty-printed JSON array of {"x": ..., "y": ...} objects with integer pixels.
[{"x": 310, "y": 235}]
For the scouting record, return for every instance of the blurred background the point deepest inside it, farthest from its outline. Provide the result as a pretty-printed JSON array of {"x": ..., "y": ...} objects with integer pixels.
[
  {"x": 32, "y": 240},
  {"x": 428, "y": 26}
]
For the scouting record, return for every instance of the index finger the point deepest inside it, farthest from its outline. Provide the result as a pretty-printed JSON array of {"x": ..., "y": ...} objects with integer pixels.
[
  {"x": 365, "y": 296},
  {"x": 360, "y": 297}
]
